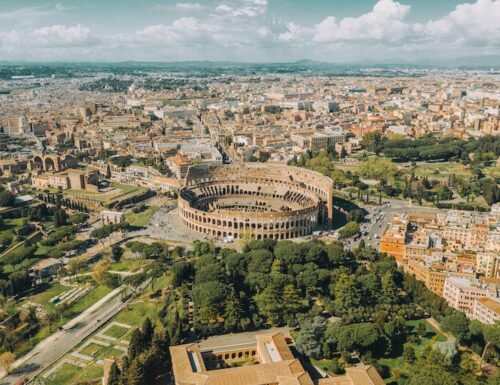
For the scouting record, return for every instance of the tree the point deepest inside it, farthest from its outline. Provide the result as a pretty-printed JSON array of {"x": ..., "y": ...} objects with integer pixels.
[
  {"x": 448, "y": 350},
  {"x": 356, "y": 215},
  {"x": 409, "y": 354},
  {"x": 6, "y": 361},
  {"x": 50, "y": 318},
  {"x": 100, "y": 272},
  {"x": 372, "y": 141},
  {"x": 457, "y": 324},
  {"x": 269, "y": 304},
  {"x": 136, "y": 373},
  {"x": 116, "y": 252},
  {"x": 346, "y": 293},
  {"x": 292, "y": 301},
  {"x": 353, "y": 337},
  {"x": 389, "y": 289},
  {"x": 114, "y": 375},
  {"x": 421, "y": 329},
  {"x": 135, "y": 346},
  {"x": 349, "y": 229},
  {"x": 378, "y": 167},
  {"x": 431, "y": 375},
  {"x": 491, "y": 335},
  {"x": 6, "y": 199},
  {"x": 309, "y": 341},
  {"x": 147, "y": 332}
]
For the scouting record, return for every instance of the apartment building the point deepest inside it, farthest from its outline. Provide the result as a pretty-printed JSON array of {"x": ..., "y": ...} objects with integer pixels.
[
  {"x": 486, "y": 310},
  {"x": 460, "y": 293}
]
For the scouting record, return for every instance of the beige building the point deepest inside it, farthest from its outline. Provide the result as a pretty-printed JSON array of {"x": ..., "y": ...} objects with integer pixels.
[
  {"x": 486, "y": 310},
  {"x": 460, "y": 293},
  {"x": 266, "y": 360}
]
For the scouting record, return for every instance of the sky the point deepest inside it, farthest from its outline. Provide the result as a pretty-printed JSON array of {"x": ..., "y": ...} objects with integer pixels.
[{"x": 338, "y": 31}]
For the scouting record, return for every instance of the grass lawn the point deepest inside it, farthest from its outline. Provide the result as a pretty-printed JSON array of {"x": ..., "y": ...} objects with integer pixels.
[
  {"x": 70, "y": 374},
  {"x": 126, "y": 188},
  {"x": 432, "y": 336},
  {"x": 129, "y": 264},
  {"x": 135, "y": 313},
  {"x": 92, "y": 297},
  {"x": 116, "y": 331},
  {"x": 44, "y": 297},
  {"x": 109, "y": 352},
  {"x": 42, "y": 250},
  {"x": 142, "y": 218},
  {"x": 325, "y": 364},
  {"x": 15, "y": 222},
  {"x": 92, "y": 349},
  {"x": 441, "y": 170}
]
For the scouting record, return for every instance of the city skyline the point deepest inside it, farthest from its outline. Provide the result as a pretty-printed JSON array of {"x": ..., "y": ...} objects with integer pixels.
[{"x": 384, "y": 31}]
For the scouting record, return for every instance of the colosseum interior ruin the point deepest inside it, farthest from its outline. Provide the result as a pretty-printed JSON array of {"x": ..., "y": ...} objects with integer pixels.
[{"x": 256, "y": 201}]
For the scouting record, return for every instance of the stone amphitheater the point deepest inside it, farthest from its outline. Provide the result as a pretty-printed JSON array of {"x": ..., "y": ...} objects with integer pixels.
[{"x": 253, "y": 200}]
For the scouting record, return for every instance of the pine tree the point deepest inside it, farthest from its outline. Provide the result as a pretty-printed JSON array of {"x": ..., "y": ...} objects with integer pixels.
[{"x": 291, "y": 299}]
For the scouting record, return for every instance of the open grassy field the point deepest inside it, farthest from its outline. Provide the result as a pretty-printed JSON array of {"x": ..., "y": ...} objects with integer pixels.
[
  {"x": 135, "y": 313},
  {"x": 142, "y": 218},
  {"x": 442, "y": 170},
  {"x": 44, "y": 297},
  {"x": 70, "y": 374},
  {"x": 130, "y": 265},
  {"x": 116, "y": 331}
]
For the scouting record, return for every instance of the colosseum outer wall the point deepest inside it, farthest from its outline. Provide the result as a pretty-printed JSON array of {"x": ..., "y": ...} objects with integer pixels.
[{"x": 210, "y": 201}]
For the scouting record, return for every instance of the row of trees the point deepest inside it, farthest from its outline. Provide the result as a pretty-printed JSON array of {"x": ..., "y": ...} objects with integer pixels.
[
  {"x": 432, "y": 148},
  {"x": 148, "y": 358}
]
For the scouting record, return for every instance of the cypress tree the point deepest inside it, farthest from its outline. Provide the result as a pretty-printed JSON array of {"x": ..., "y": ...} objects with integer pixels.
[
  {"x": 114, "y": 375},
  {"x": 135, "y": 346},
  {"x": 136, "y": 373},
  {"x": 147, "y": 333}
]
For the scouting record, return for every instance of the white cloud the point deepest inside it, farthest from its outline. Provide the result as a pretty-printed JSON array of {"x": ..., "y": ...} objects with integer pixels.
[
  {"x": 477, "y": 23},
  {"x": 244, "y": 30},
  {"x": 62, "y": 35},
  {"x": 250, "y": 8},
  {"x": 189, "y": 6},
  {"x": 384, "y": 22},
  {"x": 295, "y": 32}
]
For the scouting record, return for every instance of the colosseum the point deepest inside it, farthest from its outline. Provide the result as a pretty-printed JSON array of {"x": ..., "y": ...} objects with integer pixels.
[{"x": 251, "y": 200}]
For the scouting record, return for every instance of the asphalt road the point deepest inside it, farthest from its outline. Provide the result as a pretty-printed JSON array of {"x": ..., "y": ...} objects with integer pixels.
[
  {"x": 376, "y": 228},
  {"x": 55, "y": 346}
]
